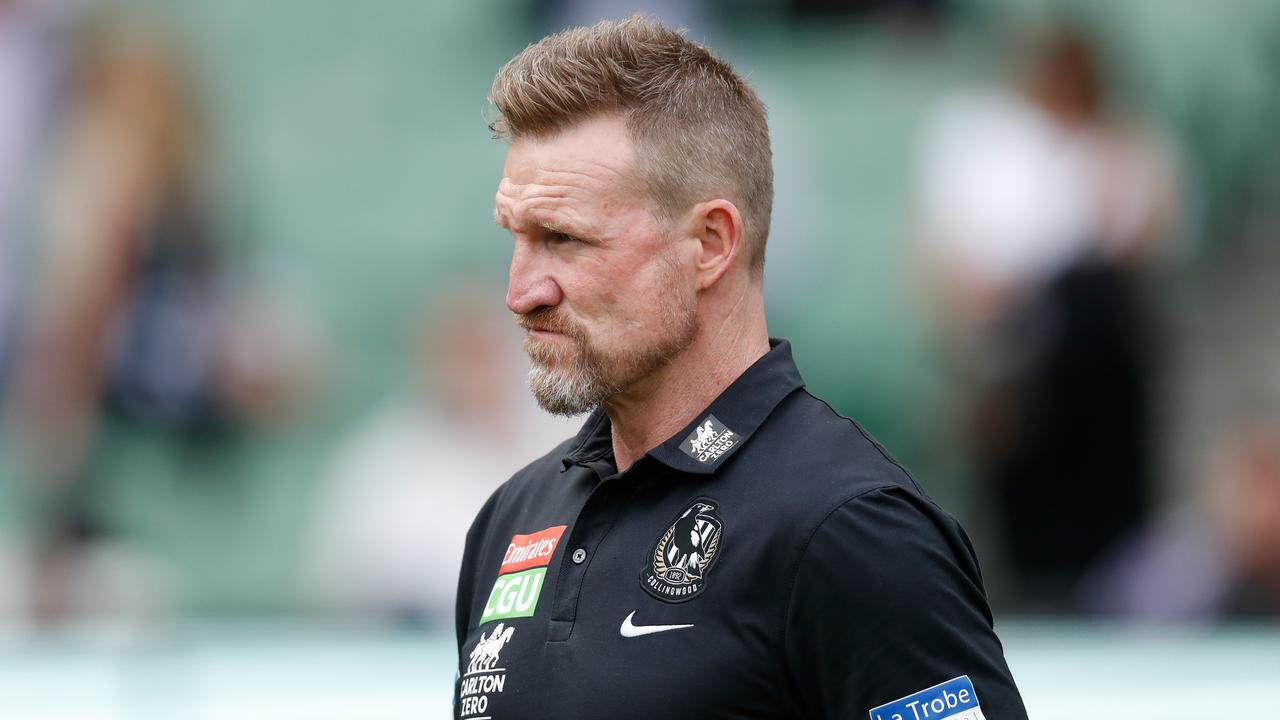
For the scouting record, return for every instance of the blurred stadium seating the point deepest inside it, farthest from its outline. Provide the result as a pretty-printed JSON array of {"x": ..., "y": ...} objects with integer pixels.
[{"x": 355, "y": 172}]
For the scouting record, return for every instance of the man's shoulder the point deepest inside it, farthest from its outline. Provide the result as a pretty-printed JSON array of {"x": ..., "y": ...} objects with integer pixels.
[
  {"x": 817, "y": 459},
  {"x": 805, "y": 431},
  {"x": 835, "y": 486}
]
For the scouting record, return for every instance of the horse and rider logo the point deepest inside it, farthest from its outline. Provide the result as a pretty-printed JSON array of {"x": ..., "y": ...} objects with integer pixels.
[
  {"x": 484, "y": 680},
  {"x": 677, "y": 569},
  {"x": 709, "y": 440},
  {"x": 485, "y": 654},
  {"x": 705, "y": 434}
]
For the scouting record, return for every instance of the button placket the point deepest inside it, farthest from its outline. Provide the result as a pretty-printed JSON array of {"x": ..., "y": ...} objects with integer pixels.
[{"x": 592, "y": 525}]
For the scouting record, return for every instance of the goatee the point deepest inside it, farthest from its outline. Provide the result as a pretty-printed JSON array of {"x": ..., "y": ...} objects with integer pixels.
[{"x": 573, "y": 380}]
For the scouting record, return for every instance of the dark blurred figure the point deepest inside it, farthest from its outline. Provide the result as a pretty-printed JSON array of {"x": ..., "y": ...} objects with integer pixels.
[
  {"x": 1219, "y": 561},
  {"x": 134, "y": 320},
  {"x": 857, "y": 10},
  {"x": 1042, "y": 212},
  {"x": 1249, "y": 522}
]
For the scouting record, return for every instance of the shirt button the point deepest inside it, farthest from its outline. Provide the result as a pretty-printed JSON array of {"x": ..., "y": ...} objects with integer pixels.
[{"x": 579, "y": 555}]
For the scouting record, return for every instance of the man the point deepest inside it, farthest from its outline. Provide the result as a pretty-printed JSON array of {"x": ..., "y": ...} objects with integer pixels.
[{"x": 715, "y": 542}]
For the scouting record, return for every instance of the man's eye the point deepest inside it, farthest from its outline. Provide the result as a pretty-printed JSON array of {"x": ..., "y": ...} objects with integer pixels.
[{"x": 563, "y": 238}]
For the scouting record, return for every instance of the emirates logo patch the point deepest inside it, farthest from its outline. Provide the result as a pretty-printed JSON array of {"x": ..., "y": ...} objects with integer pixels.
[
  {"x": 677, "y": 568},
  {"x": 519, "y": 584}
]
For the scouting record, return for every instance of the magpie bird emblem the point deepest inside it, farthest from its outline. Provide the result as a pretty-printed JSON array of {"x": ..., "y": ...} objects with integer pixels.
[{"x": 677, "y": 569}]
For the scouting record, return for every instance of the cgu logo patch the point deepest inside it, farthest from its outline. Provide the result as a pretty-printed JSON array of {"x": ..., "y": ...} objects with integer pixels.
[
  {"x": 677, "y": 569},
  {"x": 709, "y": 441},
  {"x": 524, "y": 566}
]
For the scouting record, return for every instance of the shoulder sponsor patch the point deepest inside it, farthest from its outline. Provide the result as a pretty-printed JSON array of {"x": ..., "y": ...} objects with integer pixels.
[
  {"x": 709, "y": 440},
  {"x": 951, "y": 700},
  {"x": 676, "y": 570},
  {"x": 519, "y": 583}
]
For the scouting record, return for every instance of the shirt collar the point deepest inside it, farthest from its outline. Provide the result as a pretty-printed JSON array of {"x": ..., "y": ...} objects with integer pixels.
[{"x": 718, "y": 431}]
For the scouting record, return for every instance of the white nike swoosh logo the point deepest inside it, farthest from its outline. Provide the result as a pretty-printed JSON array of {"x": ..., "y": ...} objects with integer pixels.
[{"x": 629, "y": 630}]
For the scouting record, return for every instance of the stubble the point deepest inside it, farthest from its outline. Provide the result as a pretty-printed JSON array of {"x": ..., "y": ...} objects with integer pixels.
[{"x": 571, "y": 380}]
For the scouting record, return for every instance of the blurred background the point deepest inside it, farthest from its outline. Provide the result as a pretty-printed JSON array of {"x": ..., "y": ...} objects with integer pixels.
[{"x": 256, "y": 374}]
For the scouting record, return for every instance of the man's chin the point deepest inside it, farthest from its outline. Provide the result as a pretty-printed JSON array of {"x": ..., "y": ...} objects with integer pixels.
[
  {"x": 560, "y": 394},
  {"x": 550, "y": 364}
]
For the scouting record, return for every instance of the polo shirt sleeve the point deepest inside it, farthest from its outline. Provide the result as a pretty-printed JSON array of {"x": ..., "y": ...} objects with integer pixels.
[{"x": 887, "y": 602}]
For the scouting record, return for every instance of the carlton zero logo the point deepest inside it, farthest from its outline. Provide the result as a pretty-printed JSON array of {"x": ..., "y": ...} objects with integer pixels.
[
  {"x": 709, "y": 441},
  {"x": 484, "y": 676},
  {"x": 524, "y": 566},
  {"x": 677, "y": 568}
]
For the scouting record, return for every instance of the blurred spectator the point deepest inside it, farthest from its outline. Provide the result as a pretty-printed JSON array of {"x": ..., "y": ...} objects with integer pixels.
[
  {"x": 1221, "y": 561},
  {"x": 1040, "y": 213},
  {"x": 133, "y": 318},
  {"x": 129, "y": 269},
  {"x": 403, "y": 486}
]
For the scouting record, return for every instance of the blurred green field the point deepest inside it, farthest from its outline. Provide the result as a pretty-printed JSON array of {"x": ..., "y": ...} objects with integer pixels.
[{"x": 269, "y": 671}]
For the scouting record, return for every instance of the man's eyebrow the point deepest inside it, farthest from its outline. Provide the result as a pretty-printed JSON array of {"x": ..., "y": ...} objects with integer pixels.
[
  {"x": 556, "y": 227},
  {"x": 549, "y": 225}
]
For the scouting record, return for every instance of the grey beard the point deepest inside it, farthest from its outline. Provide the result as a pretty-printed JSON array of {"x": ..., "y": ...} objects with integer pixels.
[
  {"x": 570, "y": 393},
  {"x": 591, "y": 379}
]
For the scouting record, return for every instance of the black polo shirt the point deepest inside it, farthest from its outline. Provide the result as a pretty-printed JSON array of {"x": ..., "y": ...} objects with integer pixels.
[{"x": 770, "y": 560}]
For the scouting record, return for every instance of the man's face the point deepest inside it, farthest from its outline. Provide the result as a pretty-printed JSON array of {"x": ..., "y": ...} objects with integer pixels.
[{"x": 597, "y": 281}]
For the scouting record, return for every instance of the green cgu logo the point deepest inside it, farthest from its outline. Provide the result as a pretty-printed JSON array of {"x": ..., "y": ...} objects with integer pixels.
[
  {"x": 519, "y": 583},
  {"x": 514, "y": 595}
]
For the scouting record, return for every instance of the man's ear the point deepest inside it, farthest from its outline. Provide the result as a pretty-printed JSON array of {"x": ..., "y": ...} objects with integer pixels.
[{"x": 717, "y": 226}]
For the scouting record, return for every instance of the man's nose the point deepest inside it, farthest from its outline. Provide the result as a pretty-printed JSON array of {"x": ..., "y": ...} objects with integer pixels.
[{"x": 529, "y": 284}]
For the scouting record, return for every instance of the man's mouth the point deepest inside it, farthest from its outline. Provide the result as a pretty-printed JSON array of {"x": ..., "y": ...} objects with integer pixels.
[
  {"x": 545, "y": 340},
  {"x": 543, "y": 333},
  {"x": 541, "y": 324}
]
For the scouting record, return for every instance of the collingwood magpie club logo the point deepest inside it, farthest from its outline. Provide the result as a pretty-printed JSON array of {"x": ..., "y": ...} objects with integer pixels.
[
  {"x": 709, "y": 440},
  {"x": 677, "y": 568}
]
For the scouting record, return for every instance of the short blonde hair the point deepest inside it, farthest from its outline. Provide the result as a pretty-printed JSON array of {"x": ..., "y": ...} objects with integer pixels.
[{"x": 699, "y": 128}]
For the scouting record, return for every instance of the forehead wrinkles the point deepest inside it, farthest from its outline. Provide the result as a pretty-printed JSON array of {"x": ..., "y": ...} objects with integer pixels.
[
  {"x": 536, "y": 204},
  {"x": 574, "y": 193}
]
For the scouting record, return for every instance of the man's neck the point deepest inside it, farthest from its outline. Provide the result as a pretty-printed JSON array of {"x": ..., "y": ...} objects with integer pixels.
[{"x": 645, "y": 416}]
